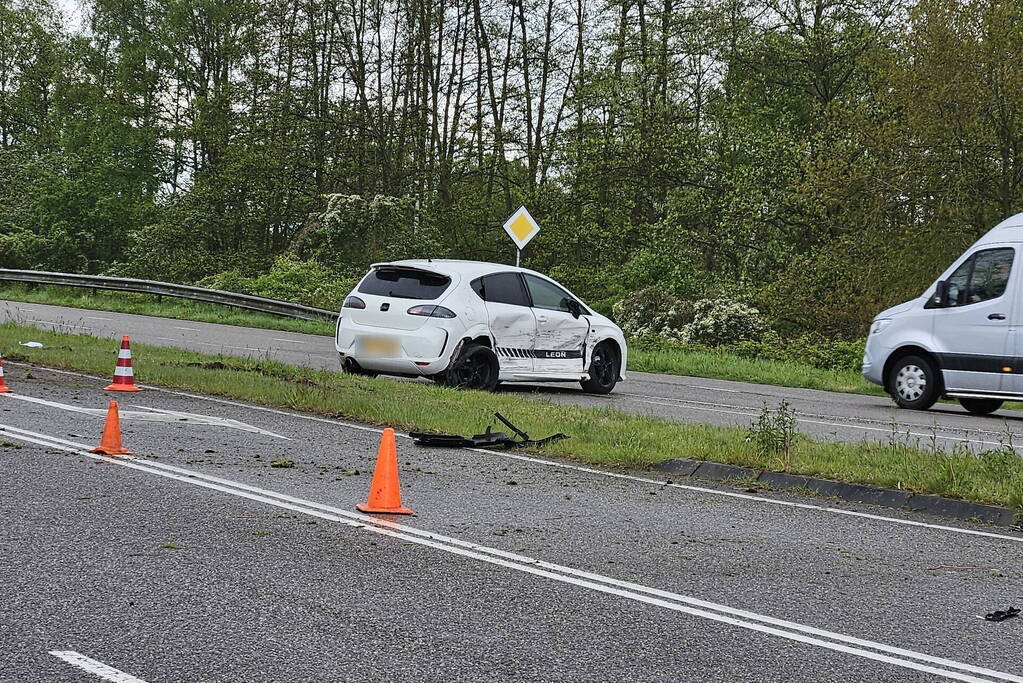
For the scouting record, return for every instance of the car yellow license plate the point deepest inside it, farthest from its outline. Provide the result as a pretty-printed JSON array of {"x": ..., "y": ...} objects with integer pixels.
[{"x": 379, "y": 347}]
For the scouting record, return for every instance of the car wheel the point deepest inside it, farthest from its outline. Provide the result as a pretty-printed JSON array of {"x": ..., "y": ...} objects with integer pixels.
[
  {"x": 913, "y": 383},
  {"x": 981, "y": 406},
  {"x": 475, "y": 367},
  {"x": 603, "y": 370},
  {"x": 350, "y": 366}
]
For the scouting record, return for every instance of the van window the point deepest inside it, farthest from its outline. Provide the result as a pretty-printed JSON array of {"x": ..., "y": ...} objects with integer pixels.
[
  {"x": 981, "y": 277},
  {"x": 501, "y": 288},
  {"x": 404, "y": 283}
]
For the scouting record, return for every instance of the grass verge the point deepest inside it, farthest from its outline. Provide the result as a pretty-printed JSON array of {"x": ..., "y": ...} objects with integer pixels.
[
  {"x": 598, "y": 435},
  {"x": 148, "y": 304},
  {"x": 726, "y": 366}
]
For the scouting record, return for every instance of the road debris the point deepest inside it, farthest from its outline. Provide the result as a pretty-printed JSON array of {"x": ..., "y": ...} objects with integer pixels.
[
  {"x": 485, "y": 440},
  {"x": 31, "y": 345},
  {"x": 1002, "y": 615}
]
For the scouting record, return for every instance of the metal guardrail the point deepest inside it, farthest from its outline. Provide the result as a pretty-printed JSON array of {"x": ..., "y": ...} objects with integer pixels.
[{"x": 124, "y": 284}]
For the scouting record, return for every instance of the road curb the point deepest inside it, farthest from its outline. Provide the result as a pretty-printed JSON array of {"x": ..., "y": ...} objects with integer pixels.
[{"x": 856, "y": 493}]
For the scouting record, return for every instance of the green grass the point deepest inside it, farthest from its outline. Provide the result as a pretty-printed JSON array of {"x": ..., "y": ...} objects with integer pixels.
[
  {"x": 148, "y": 304},
  {"x": 725, "y": 366},
  {"x": 598, "y": 435}
]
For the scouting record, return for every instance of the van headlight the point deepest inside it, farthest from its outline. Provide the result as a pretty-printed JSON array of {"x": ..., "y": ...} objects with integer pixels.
[{"x": 879, "y": 325}]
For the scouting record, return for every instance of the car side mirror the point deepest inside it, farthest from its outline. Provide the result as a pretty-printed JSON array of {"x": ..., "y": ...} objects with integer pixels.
[
  {"x": 574, "y": 308},
  {"x": 940, "y": 298}
]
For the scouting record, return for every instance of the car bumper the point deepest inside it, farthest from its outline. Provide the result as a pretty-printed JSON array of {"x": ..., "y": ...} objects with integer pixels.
[{"x": 425, "y": 351}]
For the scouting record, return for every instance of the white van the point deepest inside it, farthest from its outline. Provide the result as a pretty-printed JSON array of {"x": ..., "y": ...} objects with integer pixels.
[{"x": 959, "y": 339}]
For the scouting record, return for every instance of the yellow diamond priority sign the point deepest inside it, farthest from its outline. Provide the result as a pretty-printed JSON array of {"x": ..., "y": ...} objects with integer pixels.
[{"x": 521, "y": 227}]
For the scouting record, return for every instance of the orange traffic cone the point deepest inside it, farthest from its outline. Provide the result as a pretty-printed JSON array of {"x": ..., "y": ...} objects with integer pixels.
[
  {"x": 384, "y": 490},
  {"x": 4, "y": 389},
  {"x": 110, "y": 444},
  {"x": 124, "y": 375}
]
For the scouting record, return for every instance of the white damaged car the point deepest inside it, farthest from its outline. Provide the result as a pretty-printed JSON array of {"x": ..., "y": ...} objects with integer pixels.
[{"x": 473, "y": 325}]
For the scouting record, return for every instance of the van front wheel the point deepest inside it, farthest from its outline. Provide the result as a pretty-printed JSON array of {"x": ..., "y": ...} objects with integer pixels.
[{"x": 913, "y": 383}]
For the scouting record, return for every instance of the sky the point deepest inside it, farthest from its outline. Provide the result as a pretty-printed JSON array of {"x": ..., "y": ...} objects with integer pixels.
[{"x": 73, "y": 12}]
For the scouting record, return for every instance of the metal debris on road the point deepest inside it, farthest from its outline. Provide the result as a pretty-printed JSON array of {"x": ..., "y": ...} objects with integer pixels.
[
  {"x": 1002, "y": 615},
  {"x": 485, "y": 440}
]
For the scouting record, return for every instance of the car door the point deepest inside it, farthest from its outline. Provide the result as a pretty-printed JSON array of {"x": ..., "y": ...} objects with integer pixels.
[
  {"x": 973, "y": 329},
  {"x": 560, "y": 333},
  {"x": 511, "y": 320}
]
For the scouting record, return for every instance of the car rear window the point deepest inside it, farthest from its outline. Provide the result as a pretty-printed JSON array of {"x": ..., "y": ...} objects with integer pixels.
[{"x": 404, "y": 283}]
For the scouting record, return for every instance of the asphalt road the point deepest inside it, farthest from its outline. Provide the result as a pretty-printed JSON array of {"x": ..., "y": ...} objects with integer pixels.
[
  {"x": 198, "y": 561},
  {"x": 821, "y": 414}
]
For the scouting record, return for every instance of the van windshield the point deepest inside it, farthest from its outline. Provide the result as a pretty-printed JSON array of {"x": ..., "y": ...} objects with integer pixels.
[{"x": 404, "y": 283}]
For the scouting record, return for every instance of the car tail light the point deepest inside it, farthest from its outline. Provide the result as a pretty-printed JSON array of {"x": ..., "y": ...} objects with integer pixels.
[
  {"x": 353, "y": 302},
  {"x": 431, "y": 311}
]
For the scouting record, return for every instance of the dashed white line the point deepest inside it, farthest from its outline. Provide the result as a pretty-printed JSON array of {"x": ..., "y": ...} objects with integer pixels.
[
  {"x": 576, "y": 468},
  {"x": 95, "y": 667},
  {"x": 293, "y": 341},
  {"x": 752, "y": 621},
  {"x": 95, "y": 317},
  {"x": 190, "y": 329}
]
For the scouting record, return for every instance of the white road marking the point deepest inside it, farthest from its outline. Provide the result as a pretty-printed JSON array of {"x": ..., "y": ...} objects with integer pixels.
[
  {"x": 95, "y": 317},
  {"x": 96, "y": 668},
  {"x": 190, "y": 329},
  {"x": 576, "y": 468},
  {"x": 293, "y": 341},
  {"x": 790, "y": 630},
  {"x": 155, "y": 415},
  {"x": 166, "y": 338},
  {"x": 244, "y": 348}
]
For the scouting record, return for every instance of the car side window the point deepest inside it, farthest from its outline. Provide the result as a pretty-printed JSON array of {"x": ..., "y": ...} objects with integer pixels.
[
  {"x": 501, "y": 288},
  {"x": 547, "y": 294},
  {"x": 982, "y": 277}
]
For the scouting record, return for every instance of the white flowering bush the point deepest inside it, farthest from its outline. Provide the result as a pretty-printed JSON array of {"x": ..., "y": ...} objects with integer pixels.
[
  {"x": 721, "y": 322},
  {"x": 652, "y": 313}
]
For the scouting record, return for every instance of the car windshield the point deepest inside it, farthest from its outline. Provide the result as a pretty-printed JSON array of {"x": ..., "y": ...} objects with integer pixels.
[{"x": 404, "y": 283}]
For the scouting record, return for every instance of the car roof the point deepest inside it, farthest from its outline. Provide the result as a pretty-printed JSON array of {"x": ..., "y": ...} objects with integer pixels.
[{"x": 467, "y": 269}]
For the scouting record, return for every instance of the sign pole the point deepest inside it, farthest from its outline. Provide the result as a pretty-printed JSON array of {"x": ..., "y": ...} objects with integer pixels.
[{"x": 518, "y": 254}]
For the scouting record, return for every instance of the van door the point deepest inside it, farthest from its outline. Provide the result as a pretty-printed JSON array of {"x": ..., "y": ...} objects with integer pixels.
[
  {"x": 560, "y": 335},
  {"x": 512, "y": 323},
  {"x": 974, "y": 328}
]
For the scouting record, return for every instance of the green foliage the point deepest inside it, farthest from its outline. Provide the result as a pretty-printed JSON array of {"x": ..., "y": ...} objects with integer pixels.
[
  {"x": 813, "y": 350},
  {"x": 819, "y": 167},
  {"x": 773, "y": 435},
  {"x": 719, "y": 322},
  {"x": 289, "y": 279}
]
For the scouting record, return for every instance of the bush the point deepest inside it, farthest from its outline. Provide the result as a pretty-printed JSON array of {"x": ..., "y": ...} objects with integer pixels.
[
  {"x": 290, "y": 279},
  {"x": 651, "y": 312},
  {"x": 720, "y": 322}
]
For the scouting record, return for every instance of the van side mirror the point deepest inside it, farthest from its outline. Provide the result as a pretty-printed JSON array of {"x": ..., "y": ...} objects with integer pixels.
[{"x": 940, "y": 298}]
